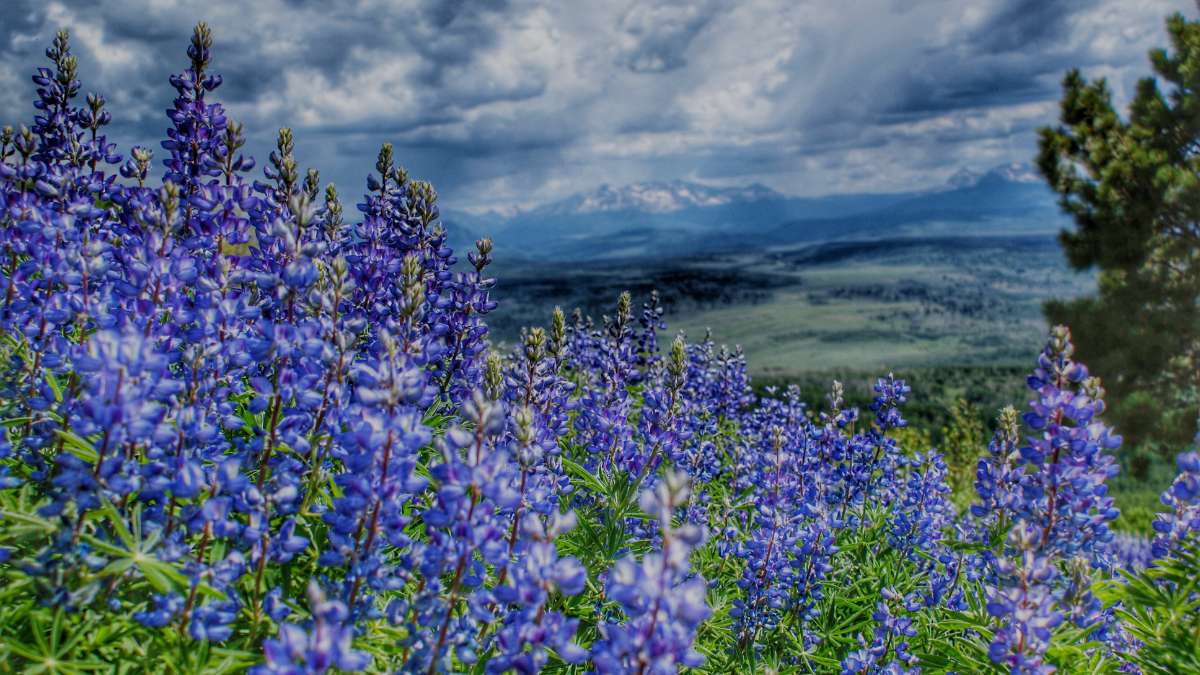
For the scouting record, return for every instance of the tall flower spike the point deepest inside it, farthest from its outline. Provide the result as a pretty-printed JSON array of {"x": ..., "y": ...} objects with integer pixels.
[
  {"x": 663, "y": 602},
  {"x": 997, "y": 479},
  {"x": 55, "y": 127},
  {"x": 1062, "y": 512},
  {"x": 194, "y": 139},
  {"x": 1068, "y": 461},
  {"x": 890, "y": 394},
  {"x": 529, "y": 628},
  {"x": 1024, "y": 605},
  {"x": 465, "y": 534}
]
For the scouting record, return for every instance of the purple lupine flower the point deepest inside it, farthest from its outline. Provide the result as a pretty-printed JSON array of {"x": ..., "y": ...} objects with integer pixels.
[
  {"x": 650, "y": 322},
  {"x": 378, "y": 481},
  {"x": 56, "y": 125},
  {"x": 768, "y": 577},
  {"x": 662, "y": 601},
  {"x": 1057, "y": 500},
  {"x": 1024, "y": 604},
  {"x": 887, "y": 653},
  {"x": 661, "y": 420},
  {"x": 718, "y": 378},
  {"x": 715, "y": 392},
  {"x": 465, "y": 534},
  {"x": 541, "y": 401},
  {"x": 812, "y": 557},
  {"x": 322, "y": 646},
  {"x": 197, "y": 128},
  {"x": 163, "y": 611},
  {"x": 1067, "y": 462},
  {"x": 997, "y": 479},
  {"x": 861, "y": 467},
  {"x": 607, "y": 359},
  {"x": 1130, "y": 552},
  {"x": 1181, "y": 521},
  {"x": 890, "y": 394},
  {"x": 922, "y": 519},
  {"x": 923, "y": 512},
  {"x": 469, "y": 300},
  {"x": 529, "y": 629}
]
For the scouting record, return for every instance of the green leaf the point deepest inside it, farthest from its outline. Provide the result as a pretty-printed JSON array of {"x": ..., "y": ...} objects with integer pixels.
[
  {"x": 591, "y": 482},
  {"x": 78, "y": 446},
  {"x": 28, "y": 520},
  {"x": 118, "y": 524},
  {"x": 52, "y": 380},
  {"x": 155, "y": 574}
]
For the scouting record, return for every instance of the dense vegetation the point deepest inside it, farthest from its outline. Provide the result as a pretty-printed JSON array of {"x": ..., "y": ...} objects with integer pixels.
[
  {"x": 1131, "y": 185},
  {"x": 242, "y": 432}
]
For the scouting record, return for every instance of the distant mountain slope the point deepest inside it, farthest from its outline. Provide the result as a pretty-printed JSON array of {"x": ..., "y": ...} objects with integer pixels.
[
  {"x": 657, "y": 198},
  {"x": 677, "y": 218}
]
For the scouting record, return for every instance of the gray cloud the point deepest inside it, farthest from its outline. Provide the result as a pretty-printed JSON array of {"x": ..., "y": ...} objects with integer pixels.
[
  {"x": 505, "y": 102},
  {"x": 658, "y": 34},
  {"x": 1022, "y": 24}
]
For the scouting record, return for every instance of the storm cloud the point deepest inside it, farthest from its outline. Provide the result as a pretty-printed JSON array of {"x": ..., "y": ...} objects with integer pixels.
[{"x": 514, "y": 102}]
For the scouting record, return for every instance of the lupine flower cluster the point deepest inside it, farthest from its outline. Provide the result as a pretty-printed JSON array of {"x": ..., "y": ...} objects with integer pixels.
[
  {"x": 1181, "y": 521},
  {"x": 1069, "y": 456},
  {"x": 997, "y": 478},
  {"x": 1050, "y": 498},
  {"x": 256, "y": 423},
  {"x": 228, "y": 377},
  {"x": 1024, "y": 601},
  {"x": 663, "y": 602},
  {"x": 816, "y": 481},
  {"x": 1131, "y": 551},
  {"x": 325, "y": 646},
  {"x": 889, "y": 640}
]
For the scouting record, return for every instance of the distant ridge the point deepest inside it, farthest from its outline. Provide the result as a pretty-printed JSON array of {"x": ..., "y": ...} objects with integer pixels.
[
  {"x": 661, "y": 219},
  {"x": 1017, "y": 172}
]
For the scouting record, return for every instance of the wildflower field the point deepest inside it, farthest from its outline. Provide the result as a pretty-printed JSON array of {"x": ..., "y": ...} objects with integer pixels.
[{"x": 248, "y": 428}]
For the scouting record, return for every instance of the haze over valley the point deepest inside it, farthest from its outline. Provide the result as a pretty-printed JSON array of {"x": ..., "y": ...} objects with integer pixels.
[{"x": 802, "y": 284}]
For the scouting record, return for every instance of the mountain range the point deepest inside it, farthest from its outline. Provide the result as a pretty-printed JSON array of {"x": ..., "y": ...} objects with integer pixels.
[{"x": 661, "y": 220}]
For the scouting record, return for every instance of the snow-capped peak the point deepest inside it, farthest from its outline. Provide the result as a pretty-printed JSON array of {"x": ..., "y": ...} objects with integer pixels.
[
  {"x": 1016, "y": 172},
  {"x": 963, "y": 178},
  {"x": 659, "y": 197}
]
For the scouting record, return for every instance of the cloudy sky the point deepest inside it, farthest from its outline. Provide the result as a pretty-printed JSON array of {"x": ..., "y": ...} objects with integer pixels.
[{"x": 514, "y": 102}]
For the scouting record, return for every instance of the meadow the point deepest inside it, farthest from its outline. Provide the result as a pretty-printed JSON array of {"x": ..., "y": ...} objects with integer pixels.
[
  {"x": 901, "y": 302},
  {"x": 247, "y": 428}
]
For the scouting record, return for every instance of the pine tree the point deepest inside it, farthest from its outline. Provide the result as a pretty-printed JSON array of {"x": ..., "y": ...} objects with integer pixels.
[{"x": 1133, "y": 187}]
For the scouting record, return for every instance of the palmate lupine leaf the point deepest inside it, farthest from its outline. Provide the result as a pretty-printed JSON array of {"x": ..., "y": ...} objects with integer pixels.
[{"x": 1161, "y": 608}]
